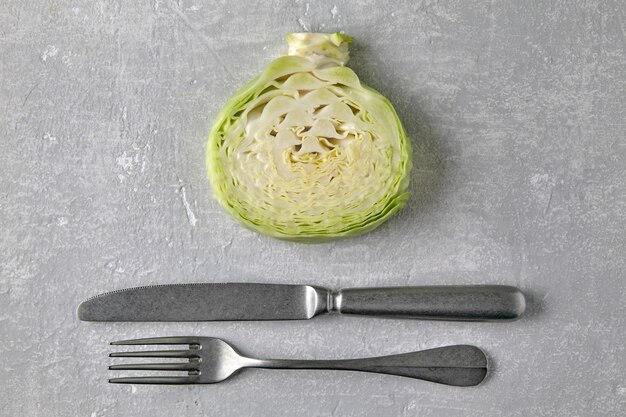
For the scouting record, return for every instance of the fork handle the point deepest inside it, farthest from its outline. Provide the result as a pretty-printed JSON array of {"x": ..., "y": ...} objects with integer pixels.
[
  {"x": 459, "y": 365},
  {"x": 444, "y": 302}
]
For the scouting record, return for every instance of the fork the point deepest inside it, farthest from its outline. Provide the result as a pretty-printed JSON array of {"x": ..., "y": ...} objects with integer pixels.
[{"x": 210, "y": 360}]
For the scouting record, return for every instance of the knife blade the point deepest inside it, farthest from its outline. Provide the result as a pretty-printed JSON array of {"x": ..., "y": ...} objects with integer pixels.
[{"x": 248, "y": 301}]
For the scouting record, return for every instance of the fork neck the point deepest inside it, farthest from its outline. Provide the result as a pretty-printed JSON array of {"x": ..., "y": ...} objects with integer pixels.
[{"x": 296, "y": 364}]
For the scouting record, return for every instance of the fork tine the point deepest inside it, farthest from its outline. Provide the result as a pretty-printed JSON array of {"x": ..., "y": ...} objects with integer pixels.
[
  {"x": 182, "y": 366},
  {"x": 165, "y": 380},
  {"x": 177, "y": 340},
  {"x": 156, "y": 354}
]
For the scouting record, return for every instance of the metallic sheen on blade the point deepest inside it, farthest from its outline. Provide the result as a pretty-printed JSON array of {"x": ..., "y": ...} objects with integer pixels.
[{"x": 207, "y": 302}]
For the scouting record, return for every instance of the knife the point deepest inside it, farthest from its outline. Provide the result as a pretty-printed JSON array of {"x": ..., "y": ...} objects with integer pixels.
[{"x": 243, "y": 301}]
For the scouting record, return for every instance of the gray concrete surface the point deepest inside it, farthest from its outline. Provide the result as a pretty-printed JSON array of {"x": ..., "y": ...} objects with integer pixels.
[{"x": 517, "y": 110}]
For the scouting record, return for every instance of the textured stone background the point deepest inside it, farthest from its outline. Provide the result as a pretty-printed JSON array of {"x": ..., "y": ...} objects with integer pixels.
[{"x": 517, "y": 110}]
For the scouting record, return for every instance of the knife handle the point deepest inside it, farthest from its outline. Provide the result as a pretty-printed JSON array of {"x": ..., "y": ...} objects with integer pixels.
[{"x": 456, "y": 303}]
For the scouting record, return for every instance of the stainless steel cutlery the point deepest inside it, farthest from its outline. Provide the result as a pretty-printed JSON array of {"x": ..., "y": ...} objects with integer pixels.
[
  {"x": 243, "y": 301},
  {"x": 208, "y": 360}
]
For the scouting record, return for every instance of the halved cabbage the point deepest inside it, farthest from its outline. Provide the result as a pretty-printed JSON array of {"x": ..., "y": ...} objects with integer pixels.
[{"x": 305, "y": 151}]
